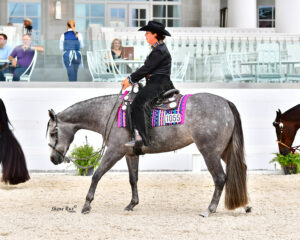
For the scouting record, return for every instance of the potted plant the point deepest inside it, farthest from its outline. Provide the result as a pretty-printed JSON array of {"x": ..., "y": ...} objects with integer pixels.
[
  {"x": 290, "y": 163},
  {"x": 84, "y": 152}
]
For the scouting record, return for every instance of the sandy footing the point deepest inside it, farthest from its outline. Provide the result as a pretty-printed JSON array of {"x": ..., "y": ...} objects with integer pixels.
[{"x": 49, "y": 207}]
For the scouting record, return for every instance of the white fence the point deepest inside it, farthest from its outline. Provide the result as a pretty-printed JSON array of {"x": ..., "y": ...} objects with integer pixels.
[{"x": 28, "y": 112}]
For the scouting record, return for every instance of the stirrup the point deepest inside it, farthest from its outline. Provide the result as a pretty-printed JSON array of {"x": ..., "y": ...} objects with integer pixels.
[
  {"x": 136, "y": 140},
  {"x": 130, "y": 144}
]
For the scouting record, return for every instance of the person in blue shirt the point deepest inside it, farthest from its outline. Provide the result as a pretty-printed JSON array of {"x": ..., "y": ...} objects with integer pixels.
[
  {"x": 5, "y": 51},
  {"x": 70, "y": 43}
]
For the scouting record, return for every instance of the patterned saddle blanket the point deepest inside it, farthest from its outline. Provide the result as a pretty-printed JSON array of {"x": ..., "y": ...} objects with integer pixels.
[{"x": 169, "y": 111}]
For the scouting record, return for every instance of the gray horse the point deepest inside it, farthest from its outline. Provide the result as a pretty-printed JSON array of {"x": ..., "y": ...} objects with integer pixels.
[{"x": 211, "y": 122}]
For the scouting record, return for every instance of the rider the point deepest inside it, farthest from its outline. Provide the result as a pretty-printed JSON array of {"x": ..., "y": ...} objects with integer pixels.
[{"x": 156, "y": 70}]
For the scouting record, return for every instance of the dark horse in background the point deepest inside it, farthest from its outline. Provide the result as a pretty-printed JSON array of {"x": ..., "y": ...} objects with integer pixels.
[
  {"x": 14, "y": 169},
  {"x": 211, "y": 122},
  {"x": 287, "y": 125}
]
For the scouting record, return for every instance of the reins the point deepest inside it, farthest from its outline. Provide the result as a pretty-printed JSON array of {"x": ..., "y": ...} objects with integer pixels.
[
  {"x": 100, "y": 152},
  {"x": 292, "y": 149}
]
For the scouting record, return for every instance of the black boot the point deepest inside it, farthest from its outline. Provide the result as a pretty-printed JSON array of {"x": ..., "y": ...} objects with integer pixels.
[{"x": 136, "y": 139}]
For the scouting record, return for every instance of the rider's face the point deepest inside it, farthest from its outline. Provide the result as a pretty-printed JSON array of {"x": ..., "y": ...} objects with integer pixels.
[{"x": 151, "y": 37}]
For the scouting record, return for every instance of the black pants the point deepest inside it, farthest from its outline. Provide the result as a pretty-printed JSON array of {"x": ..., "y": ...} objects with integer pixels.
[{"x": 155, "y": 86}]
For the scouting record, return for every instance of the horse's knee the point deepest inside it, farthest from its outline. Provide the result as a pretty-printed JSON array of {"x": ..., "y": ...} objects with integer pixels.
[
  {"x": 220, "y": 180},
  {"x": 96, "y": 177}
]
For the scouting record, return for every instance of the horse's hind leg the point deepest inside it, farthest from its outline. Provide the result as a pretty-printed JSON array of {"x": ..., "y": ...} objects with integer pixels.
[
  {"x": 109, "y": 159},
  {"x": 213, "y": 163},
  {"x": 133, "y": 169}
]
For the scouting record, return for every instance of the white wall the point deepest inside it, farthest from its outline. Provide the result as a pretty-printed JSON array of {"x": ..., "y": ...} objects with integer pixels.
[{"x": 28, "y": 112}]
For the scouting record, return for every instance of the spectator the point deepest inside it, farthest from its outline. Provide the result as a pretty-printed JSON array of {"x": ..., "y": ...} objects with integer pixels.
[
  {"x": 116, "y": 48},
  {"x": 27, "y": 29},
  {"x": 24, "y": 54},
  {"x": 70, "y": 43},
  {"x": 5, "y": 51}
]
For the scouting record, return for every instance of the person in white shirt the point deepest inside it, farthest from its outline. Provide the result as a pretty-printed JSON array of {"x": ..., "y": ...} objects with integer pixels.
[
  {"x": 70, "y": 43},
  {"x": 5, "y": 51}
]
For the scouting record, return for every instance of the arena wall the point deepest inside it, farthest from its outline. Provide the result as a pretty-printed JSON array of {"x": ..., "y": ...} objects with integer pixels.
[{"x": 28, "y": 104}]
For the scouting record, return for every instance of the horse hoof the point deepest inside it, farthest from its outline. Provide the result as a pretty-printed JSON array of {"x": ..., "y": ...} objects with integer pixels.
[
  {"x": 86, "y": 210},
  {"x": 205, "y": 213},
  {"x": 248, "y": 209},
  {"x": 128, "y": 208}
]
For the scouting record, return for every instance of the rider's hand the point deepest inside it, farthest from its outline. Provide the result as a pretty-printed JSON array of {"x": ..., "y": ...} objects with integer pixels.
[{"x": 125, "y": 83}]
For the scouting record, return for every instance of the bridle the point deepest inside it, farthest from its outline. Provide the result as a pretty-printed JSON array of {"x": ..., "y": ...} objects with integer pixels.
[
  {"x": 281, "y": 125},
  {"x": 100, "y": 152},
  {"x": 55, "y": 133},
  {"x": 67, "y": 159}
]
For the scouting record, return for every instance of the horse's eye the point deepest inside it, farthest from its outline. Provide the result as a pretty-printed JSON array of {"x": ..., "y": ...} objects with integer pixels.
[{"x": 52, "y": 134}]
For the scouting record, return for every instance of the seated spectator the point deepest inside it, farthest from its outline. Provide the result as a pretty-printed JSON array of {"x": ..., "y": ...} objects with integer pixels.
[
  {"x": 116, "y": 48},
  {"x": 24, "y": 54},
  {"x": 5, "y": 51}
]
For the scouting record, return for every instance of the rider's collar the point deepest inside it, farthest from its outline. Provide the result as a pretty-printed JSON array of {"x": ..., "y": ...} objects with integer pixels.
[{"x": 156, "y": 44}]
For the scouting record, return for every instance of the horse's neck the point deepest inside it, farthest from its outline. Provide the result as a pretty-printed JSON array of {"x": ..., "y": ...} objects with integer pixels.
[
  {"x": 293, "y": 117},
  {"x": 91, "y": 114}
]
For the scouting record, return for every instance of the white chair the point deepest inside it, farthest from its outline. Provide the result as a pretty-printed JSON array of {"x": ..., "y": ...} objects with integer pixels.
[
  {"x": 179, "y": 68},
  {"x": 237, "y": 69},
  {"x": 269, "y": 67},
  {"x": 28, "y": 72},
  {"x": 102, "y": 66}
]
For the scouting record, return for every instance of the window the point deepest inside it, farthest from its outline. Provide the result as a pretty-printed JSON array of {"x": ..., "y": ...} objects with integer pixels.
[
  {"x": 138, "y": 17},
  {"x": 266, "y": 16},
  {"x": 88, "y": 13},
  {"x": 168, "y": 14},
  {"x": 17, "y": 11}
]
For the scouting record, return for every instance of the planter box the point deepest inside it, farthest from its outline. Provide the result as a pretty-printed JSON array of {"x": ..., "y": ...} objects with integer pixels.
[{"x": 289, "y": 169}]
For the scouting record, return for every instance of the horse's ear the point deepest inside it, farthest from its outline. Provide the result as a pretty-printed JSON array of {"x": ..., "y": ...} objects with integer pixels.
[
  {"x": 52, "y": 114},
  {"x": 278, "y": 114}
]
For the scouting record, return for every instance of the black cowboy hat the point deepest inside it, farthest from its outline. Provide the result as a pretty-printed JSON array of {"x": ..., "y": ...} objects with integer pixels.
[{"x": 155, "y": 27}]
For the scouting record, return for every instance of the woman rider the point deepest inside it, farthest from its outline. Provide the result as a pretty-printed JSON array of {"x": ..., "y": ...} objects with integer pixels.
[{"x": 156, "y": 70}]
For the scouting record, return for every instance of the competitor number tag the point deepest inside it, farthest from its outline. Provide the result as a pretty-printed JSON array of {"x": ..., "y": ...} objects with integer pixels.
[{"x": 173, "y": 118}]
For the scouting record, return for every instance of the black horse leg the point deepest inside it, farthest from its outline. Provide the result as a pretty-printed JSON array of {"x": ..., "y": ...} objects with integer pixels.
[
  {"x": 133, "y": 169},
  {"x": 214, "y": 166},
  {"x": 108, "y": 161}
]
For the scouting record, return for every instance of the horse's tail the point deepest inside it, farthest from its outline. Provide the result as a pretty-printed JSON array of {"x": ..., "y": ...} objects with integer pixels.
[
  {"x": 236, "y": 169},
  {"x": 14, "y": 169}
]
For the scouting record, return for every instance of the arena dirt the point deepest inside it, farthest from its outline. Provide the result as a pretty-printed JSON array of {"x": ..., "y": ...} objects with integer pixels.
[{"x": 49, "y": 207}]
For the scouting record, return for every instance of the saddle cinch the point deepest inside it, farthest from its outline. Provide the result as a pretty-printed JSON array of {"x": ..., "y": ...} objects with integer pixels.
[{"x": 168, "y": 100}]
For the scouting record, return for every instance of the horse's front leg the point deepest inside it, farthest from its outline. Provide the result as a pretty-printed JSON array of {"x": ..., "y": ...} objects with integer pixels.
[
  {"x": 133, "y": 169},
  {"x": 109, "y": 159}
]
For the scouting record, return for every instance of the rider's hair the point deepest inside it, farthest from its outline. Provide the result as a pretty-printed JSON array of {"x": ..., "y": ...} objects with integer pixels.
[{"x": 159, "y": 36}]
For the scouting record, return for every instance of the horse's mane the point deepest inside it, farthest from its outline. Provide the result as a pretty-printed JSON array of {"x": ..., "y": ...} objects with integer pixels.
[
  {"x": 64, "y": 115},
  {"x": 87, "y": 101},
  {"x": 292, "y": 110}
]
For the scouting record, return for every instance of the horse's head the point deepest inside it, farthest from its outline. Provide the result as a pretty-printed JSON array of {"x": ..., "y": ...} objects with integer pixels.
[
  {"x": 283, "y": 132},
  {"x": 61, "y": 135}
]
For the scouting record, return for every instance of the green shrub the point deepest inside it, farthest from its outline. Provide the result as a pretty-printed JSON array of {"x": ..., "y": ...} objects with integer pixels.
[
  {"x": 84, "y": 151},
  {"x": 290, "y": 160}
]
